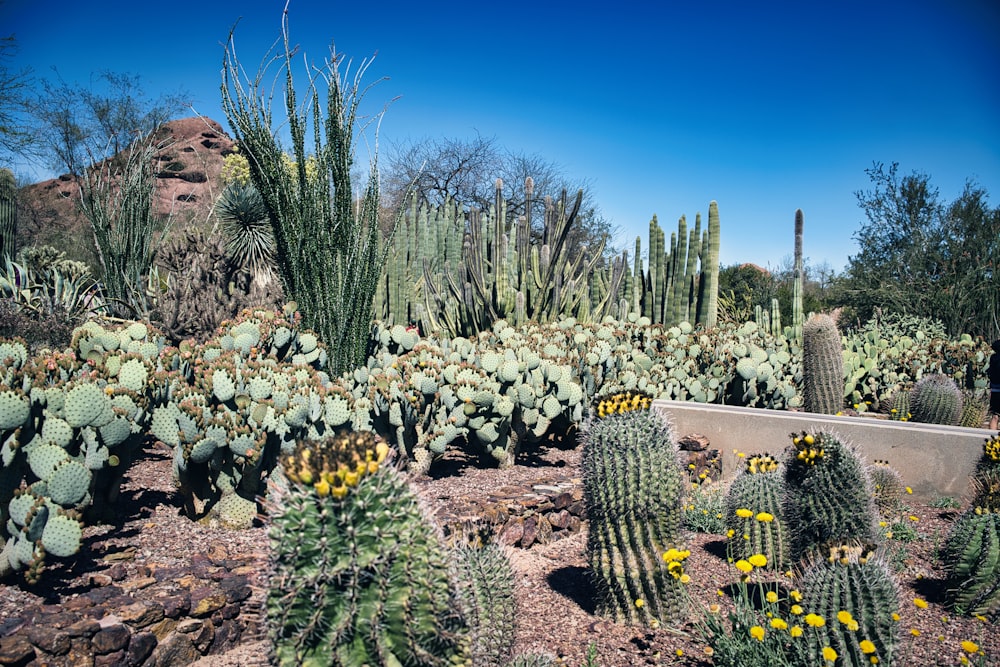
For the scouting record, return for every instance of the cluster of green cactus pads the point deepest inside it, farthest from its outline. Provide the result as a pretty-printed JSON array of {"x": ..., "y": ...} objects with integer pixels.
[
  {"x": 632, "y": 483},
  {"x": 971, "y": 554}
]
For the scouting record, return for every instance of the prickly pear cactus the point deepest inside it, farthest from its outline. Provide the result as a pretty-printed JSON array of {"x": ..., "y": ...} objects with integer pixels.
[
  {"x": 754, "y": 516},
  {"x": 632, "y": 485},
  {"x": 347, "y": 536},
  {"x": 828, "y": 494},
  {"x": 853, "y": 589}
]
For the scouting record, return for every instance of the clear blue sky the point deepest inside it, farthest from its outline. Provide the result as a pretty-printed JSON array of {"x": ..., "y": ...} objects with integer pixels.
[{"x": 765, "y": 107}]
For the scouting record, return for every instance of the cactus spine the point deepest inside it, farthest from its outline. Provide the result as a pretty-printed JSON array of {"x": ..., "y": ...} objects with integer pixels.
[
  {"x": 822, "y": 365},
  {"x": 632, "y": 488},
  {"x": 8, "y": 215},
  {"x": 359, "y": 574}
]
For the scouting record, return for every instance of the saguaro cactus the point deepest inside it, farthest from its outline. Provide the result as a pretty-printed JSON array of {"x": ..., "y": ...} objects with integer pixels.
[
  {"x": 797, "y": 269},
  {"x": 8, "y": 214}
]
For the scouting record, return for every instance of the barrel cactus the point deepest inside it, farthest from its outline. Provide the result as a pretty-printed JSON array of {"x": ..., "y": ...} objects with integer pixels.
[
  {"x": 360, "y": 576},
  {"x": 854, "y": 591},
  {"x": 632, "y": 485},
  {"x": 828, "y": 495},
  {"x": 936, "y": 399},
  {"x": 822, "y": 365},
  {"x": 887, "y": 487},
  {"x": 753, "y": 512}
]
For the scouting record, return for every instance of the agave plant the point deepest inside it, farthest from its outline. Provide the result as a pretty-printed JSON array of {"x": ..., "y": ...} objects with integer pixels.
[{"x": 247, "y": 230}]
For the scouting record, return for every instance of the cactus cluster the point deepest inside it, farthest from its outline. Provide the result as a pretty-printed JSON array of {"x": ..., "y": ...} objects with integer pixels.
[
  {"x": 632, "y": 484},
  {"x": 971, "y": 554}
]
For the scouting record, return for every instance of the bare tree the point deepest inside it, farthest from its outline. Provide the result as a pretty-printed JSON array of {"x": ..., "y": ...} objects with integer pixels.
[{"x": 15, "y": 139}]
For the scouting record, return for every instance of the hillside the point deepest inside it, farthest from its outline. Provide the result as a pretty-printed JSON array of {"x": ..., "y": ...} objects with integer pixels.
[{"x": 188, "y": 165}]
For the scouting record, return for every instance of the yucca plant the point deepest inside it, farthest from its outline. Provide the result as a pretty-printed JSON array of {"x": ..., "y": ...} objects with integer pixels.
[{"x": 247, "y": 231}]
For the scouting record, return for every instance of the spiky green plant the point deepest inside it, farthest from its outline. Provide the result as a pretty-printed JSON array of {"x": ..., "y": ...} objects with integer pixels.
[
  {"x": 359, "y": 577},
  {"x": 828, "y": 495},
  {"x": 632, "y": 486},
  {"x": 8, "y": 215},
  {"x": 853, "y": 589},
  {"x": 328, "y": 248},
  {"x": 936, "y": 399},
  {"x": 971, "y": 554},
  {"x": 798, "y": 317},
  {"x": 887, "y": 485},
  {"x": 822, "y": 365},
  {"x": 116, "y": 197},
  {"x": 754, "y": 513},
  {"x": 247, "y": 231},
  {"x": 485, "y": 583}
]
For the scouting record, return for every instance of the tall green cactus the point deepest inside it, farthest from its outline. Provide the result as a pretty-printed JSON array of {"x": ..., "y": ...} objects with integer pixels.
[
  {"x": 632, "y": 485},
  {"x": 797, "y": 278},
  {"x": 828, "y": 495},
  {"x": 822, "y": 365},
  {"x": 936, "y": 399},
  {"x": 8, "y": 215},
  {"x": 708, "y": 295},
  {"x": 853, "y": 589},
  {"x": 359, "y": 575},
  {"x": 754, "y": 513}
]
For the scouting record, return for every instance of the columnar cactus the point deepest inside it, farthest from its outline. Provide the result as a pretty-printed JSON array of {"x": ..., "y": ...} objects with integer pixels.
[
  {"x": 822, "y": 365},
  {"x": 632, "y": 490},
  {"x": 754, "y": 514},
  {"x": 359, "y": 574},
  {"x": 936, "y": 399},
  {"x": 8, "y": 215},
  {"x": 853, "y": 589},
  {"x": 797, "y": 278},
  {"x": 486, "y": 589},
  {"x": 828, "y": 494}
]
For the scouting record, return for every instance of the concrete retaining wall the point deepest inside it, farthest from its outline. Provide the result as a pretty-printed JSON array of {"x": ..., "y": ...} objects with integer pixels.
[{"x": 933, "y": 460}]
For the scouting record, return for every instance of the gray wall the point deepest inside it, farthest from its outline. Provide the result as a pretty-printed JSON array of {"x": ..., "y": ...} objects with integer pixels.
[{"x": 933, "y": 460}]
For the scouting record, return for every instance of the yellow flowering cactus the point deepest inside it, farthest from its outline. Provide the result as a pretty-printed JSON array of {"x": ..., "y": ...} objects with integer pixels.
[
  {"x": 335, "y": 465},
  {"x": 626, "y": 401}
]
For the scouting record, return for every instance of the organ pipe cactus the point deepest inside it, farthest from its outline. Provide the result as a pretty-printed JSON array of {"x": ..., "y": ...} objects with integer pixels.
[
  {"x": 632, "y": 490},
  {"x": 359, "y": 576}
]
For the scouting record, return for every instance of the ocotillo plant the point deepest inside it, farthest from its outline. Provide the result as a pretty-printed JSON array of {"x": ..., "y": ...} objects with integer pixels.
[
  {"x": 328, "y": 248},
  {"x": 359, "y": 574},
  {"x": 632, "y": 485},
  {"x": 822, "y": 365}
]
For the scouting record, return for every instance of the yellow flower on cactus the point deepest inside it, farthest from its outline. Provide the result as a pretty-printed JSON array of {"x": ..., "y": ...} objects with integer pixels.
[
  {"x": 758, "y": 560},
  {"x": 743, "y": 566},
  {"x": 852, "y": 626},
  {"x": 815, "y": 620},
  {"x": 829, "y": 654},
  {"x": 921, "y": 603},
  {"x": 757, "y": 633},
  {"x": 796, "y": 631},
  {"x": 778, "y": 624},
  {"x": 970, "y": 647},
  {"x": 795, "y": 595},
  {"x": 765, "y": 517},
  {"x": 639, "y": 603},
  {"x": 796, "y": 610},
  {"x": 844, "y": 617},
  {"x": 744, "y": 513},
  {"x": 730, "y": 533},
  {"x": 866, "y": 646},
  {"x": 771, "y": 597}
]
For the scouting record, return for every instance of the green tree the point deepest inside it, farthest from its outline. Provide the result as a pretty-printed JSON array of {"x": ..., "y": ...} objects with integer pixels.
[
  {"x": 327, "y": 245},
  {"x": 742, "y": 287},
  {"x": 922, "y": 256}
]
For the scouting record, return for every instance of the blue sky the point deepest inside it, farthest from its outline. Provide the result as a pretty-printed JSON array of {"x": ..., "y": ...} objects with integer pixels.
[{"x": 765, "y": 107}]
